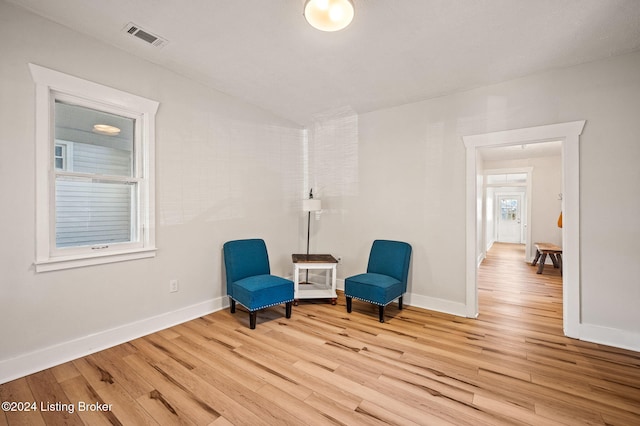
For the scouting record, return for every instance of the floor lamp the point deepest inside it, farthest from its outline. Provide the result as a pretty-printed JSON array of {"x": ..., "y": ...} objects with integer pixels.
[{"x": 310, "y": 205}]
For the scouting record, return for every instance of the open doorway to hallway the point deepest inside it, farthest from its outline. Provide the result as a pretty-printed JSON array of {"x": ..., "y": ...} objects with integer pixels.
[
  {"x": 506, "y": 203},
  {"x": 520, "y": 200},
  {"x": 569, "y": 133}
]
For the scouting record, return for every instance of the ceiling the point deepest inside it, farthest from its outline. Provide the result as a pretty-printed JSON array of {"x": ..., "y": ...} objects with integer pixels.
[{"x": 394, "y": 52}]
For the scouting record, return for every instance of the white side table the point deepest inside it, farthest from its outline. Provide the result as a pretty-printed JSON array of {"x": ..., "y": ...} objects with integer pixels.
[{"x": 306, "y": 290}]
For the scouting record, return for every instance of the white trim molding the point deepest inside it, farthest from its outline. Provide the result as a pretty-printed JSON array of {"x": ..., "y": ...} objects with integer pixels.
[
  {"x": 435, "y": 304},
  {"x": 569, "y": 133}
]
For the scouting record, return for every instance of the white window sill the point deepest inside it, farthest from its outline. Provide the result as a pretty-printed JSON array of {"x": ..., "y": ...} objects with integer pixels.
[{"x": 68, "y": 262}]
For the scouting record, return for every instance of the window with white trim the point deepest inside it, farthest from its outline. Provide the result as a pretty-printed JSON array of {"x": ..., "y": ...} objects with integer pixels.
[{"x": 94, "y": 173}]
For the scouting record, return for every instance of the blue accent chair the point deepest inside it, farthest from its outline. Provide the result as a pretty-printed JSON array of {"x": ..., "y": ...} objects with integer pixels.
[
  {"x": 386, "y": 276},
  {"x": 249, "y": 279}
]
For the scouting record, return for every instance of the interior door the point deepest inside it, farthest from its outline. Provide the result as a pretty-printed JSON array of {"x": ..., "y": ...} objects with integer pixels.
[{"x": 510, "y": 218}]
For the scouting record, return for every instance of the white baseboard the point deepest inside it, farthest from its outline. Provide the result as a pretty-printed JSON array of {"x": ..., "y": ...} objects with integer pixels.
[
  {"x": 435, "y": 304},
  {"x": 41, "y": 359},
  {"x": 610, "y": 336}
]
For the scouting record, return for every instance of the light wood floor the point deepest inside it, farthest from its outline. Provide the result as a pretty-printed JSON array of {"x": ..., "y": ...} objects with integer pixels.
[{"x": 512, "y": 365}]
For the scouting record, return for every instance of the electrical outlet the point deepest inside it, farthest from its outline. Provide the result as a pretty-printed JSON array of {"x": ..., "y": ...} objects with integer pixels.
[{"x": 173, "y": 286}]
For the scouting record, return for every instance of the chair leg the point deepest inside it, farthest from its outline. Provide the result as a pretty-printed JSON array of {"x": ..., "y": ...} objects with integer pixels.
[
  {"x": 381, "y": 313},
  {"x": 348, "y": 304},
  {"x": 252, "y": 319},
  {"x": 288, "y": 309},
  {"x": 233, "y": 306},
  {"x": 400, "y": 303}
]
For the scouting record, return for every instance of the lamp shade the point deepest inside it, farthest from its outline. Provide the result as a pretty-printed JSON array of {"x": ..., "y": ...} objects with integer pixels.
[
  {"x": 329, "y": 15},
  {"x": 311, "y": 205}
]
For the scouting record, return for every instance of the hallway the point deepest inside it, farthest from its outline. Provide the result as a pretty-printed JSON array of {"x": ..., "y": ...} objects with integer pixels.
[{"x": 510, "y": 291}]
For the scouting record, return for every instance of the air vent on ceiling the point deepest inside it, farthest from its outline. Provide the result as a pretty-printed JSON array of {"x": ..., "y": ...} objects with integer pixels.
[{"x": 144, "y": 35}]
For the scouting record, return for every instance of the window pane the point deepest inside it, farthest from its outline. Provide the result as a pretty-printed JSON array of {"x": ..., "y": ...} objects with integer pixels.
[
  {"x": 492, "y": 179},
  {"x": 91, "y": 212},
  {"x": 508, "y": 209},
  {"x": 517, "y": 177},
  {"x": 507, "y": 178},
  {"x": 96, "y": 149}
]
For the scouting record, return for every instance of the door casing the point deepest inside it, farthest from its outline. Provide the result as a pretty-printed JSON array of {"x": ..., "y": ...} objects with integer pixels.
[{"x": 569, "y": 134}]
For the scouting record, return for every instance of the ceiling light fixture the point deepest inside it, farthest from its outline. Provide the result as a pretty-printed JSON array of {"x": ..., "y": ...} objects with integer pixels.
[
  {"x": 329, "y": 15},
  {"x": 105, "y": 129}
]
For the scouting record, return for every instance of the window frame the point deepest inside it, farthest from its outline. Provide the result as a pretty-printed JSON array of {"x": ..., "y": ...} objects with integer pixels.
[{"x": 50, "y": 85}]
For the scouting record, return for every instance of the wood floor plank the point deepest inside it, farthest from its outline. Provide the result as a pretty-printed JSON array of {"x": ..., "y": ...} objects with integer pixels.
[
  {"x": 54, "y": 403},
  {"x": 232, "y": 409},
  {"x": 399, "y": 407},
  {"x": 18, "y": 391},
  {"x": 306, "y": 414},
  {"x": 115, "y": 371},
  {"x": 176, "y": 399},
  {"x": 65, "y": 371},
  {"x": 123, "y": 406},
  {"x": 513, "y": 412},
  {"x": 375, "y": 411},
  {"x": 164, "y": 410},
  {"x": 510, "y": 366},
  {"x": 78, "y": 389},
  {"x": 296, "y": 375}
]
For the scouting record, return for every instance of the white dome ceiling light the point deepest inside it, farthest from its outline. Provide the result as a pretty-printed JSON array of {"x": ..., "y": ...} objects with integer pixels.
[{"x": 329, "y": 15}]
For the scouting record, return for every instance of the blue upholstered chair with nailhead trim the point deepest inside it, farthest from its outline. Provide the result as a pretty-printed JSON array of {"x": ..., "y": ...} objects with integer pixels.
[
  {"x": 249, "y": 279},
  {"x": 386, "y": 276}
]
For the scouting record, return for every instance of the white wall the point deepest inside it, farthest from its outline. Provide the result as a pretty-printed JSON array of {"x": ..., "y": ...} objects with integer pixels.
[
  {"x": 225, "y": 170},
  {"x": 411, "y": 185}
]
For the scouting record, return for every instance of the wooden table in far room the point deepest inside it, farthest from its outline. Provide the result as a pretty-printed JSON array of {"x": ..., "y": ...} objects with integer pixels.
[
  {"x": 552, "y": 250},
  {"x": 307, "y": 290}
]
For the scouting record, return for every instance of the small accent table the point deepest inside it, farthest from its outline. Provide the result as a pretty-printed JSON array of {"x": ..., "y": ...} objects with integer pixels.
[{"x": 306, "y": 290}]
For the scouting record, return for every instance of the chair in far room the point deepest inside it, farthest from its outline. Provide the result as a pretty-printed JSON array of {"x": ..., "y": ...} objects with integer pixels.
[
  {"x": 386, "y": 276},
  {"x": 249, "y": 279}
]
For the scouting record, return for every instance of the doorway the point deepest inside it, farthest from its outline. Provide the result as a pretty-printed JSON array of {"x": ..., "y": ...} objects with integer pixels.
[
  {"x": 508, "y": 183},
  {"x": 569, "y": 134}
]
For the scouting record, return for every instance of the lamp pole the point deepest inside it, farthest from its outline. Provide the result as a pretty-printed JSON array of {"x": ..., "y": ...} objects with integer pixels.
[
  {"x": 308, "y": 235},
  {"x": 309, "y": 226}
]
